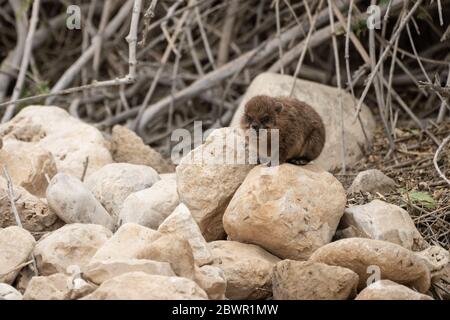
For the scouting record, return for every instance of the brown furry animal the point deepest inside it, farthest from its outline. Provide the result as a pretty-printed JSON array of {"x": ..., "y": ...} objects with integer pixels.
[{"x": 301, "y": 130}]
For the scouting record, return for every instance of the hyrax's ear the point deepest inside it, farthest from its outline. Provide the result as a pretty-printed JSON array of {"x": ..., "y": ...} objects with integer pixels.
[{"x": 278, "y": 107}]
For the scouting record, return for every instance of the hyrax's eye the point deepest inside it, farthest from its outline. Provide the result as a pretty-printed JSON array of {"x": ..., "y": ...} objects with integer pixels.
[
  {"x": 248, "y": 119},
  {"x": 265, "y": 119}
]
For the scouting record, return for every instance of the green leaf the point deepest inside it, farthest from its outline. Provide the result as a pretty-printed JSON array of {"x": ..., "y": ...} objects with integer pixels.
[
  {"x": 423, "y": 14},
  {"x": 24, "y": 6},
  {"x": 423, "y": 198},
  {"x": 42, "y": 87},
  {"x": 359, "y": 26}
]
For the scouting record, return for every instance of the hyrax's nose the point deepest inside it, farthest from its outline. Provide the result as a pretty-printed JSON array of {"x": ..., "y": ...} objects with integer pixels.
[{"x": 255, "y": 126}]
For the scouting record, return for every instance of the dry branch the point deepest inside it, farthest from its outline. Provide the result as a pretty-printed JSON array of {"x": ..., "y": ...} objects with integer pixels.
[
  {"x": 11, "y": 64},
  {"x": 436, "y": 156},
  {"x": 25, "y": 61},
  {"x": 391, "y": 42}
]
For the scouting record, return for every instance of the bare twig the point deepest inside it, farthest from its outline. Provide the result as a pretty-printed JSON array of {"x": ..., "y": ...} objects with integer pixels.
[
  {"x": 397, "y": 97},
  {"x": 25, "y": 61},
  {"x": 306, "y": 46},
  {"x": 148, "y": 15},
  {"x": 444, "y": 91},
  {"x": 204, "y": 37},
  {"x": 384, "y": 54},
  {"x": 85, "y": 167},
  {"x": 378, "y": 88},
  {"x": 12, "y": 196},
  {"x": 277, "y": 15},
  {"x": 349, "y": 34},
  {"x": 441, "y": 20},
  {"x": 435, "y": 159},
  {"x": 411, "y": 114},
  {"x": 446, "y": 34},
  {"x": 98, "y": 49},
  {"x": 338, "y": 76},
  {"x": 12, "y": 200},
  {"x": 70, "y": 73},
  {"x": 194, "y": 54},
  {"x": 166, "y": 33},
  {"x": 444, "y": 105},
  {"x": 93, "y": 85},
  {"x": 420, "y": 63},
  {"x": 214, "y": 77},
  {"x": 12, "y": 61},
  {"x": 227, "y": 32},
  {"x": 132, "y": 40}
]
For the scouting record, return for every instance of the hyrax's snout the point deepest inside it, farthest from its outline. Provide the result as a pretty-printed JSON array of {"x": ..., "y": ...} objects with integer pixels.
[{"x": 255, "y": 126}]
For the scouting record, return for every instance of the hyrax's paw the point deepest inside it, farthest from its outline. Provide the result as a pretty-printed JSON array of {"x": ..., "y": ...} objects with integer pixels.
[{"x": 299, "y": 161}]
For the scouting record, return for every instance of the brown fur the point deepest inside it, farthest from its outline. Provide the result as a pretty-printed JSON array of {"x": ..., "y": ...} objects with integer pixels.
[{"x": 301, "y": 130}]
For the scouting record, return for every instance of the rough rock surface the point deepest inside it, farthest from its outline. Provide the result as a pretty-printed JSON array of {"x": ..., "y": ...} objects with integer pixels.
[
  {"x": 389, "y": 290},
  {"x": 324, "y": 100},
  {"x": 247, "y": 268},
  {"x": 128, "y": 242},
  {"x": 384, "y": 221},
  {"x": 212, "y": 280},
  {"x": 58, "y": 286},
  {"x": 72, "y": 201},
  {"x": 367, "y": 256},
  {"x": 128, "y": 147},
  {"x": 16, "y": 246},
  {"x": 99, "y": 272},
  {"x": 70, "y": 245},
  {"x": 28, "y": 165},
  {"x": 373, "y": 181},
  {"x": 113, "y": 183},
  {"x": 149, "y": 207},
  {"x": 142, "y": 286},
  {"x": 8, "y": 292},
  {"x": 306, "y": 280},
  {"x": 168, "y": 176},
  {"x": 206, "y": 181},
  {"x": 54, "y": 130},
  {"x": 175, "y": 250},
  {"x": 288, "y": 210},
  {"x": 54, "y": 287},
  {"x": 132, "y": 241},
  {"x": 33, "y": 212},
  {"x": 182, "y": 224},
  {"x": 446, "y": 275},
  {"x": 436, "y": 258}
]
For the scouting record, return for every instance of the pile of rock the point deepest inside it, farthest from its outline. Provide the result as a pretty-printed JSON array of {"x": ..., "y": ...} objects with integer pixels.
[{"x": 135, "y": 229}]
